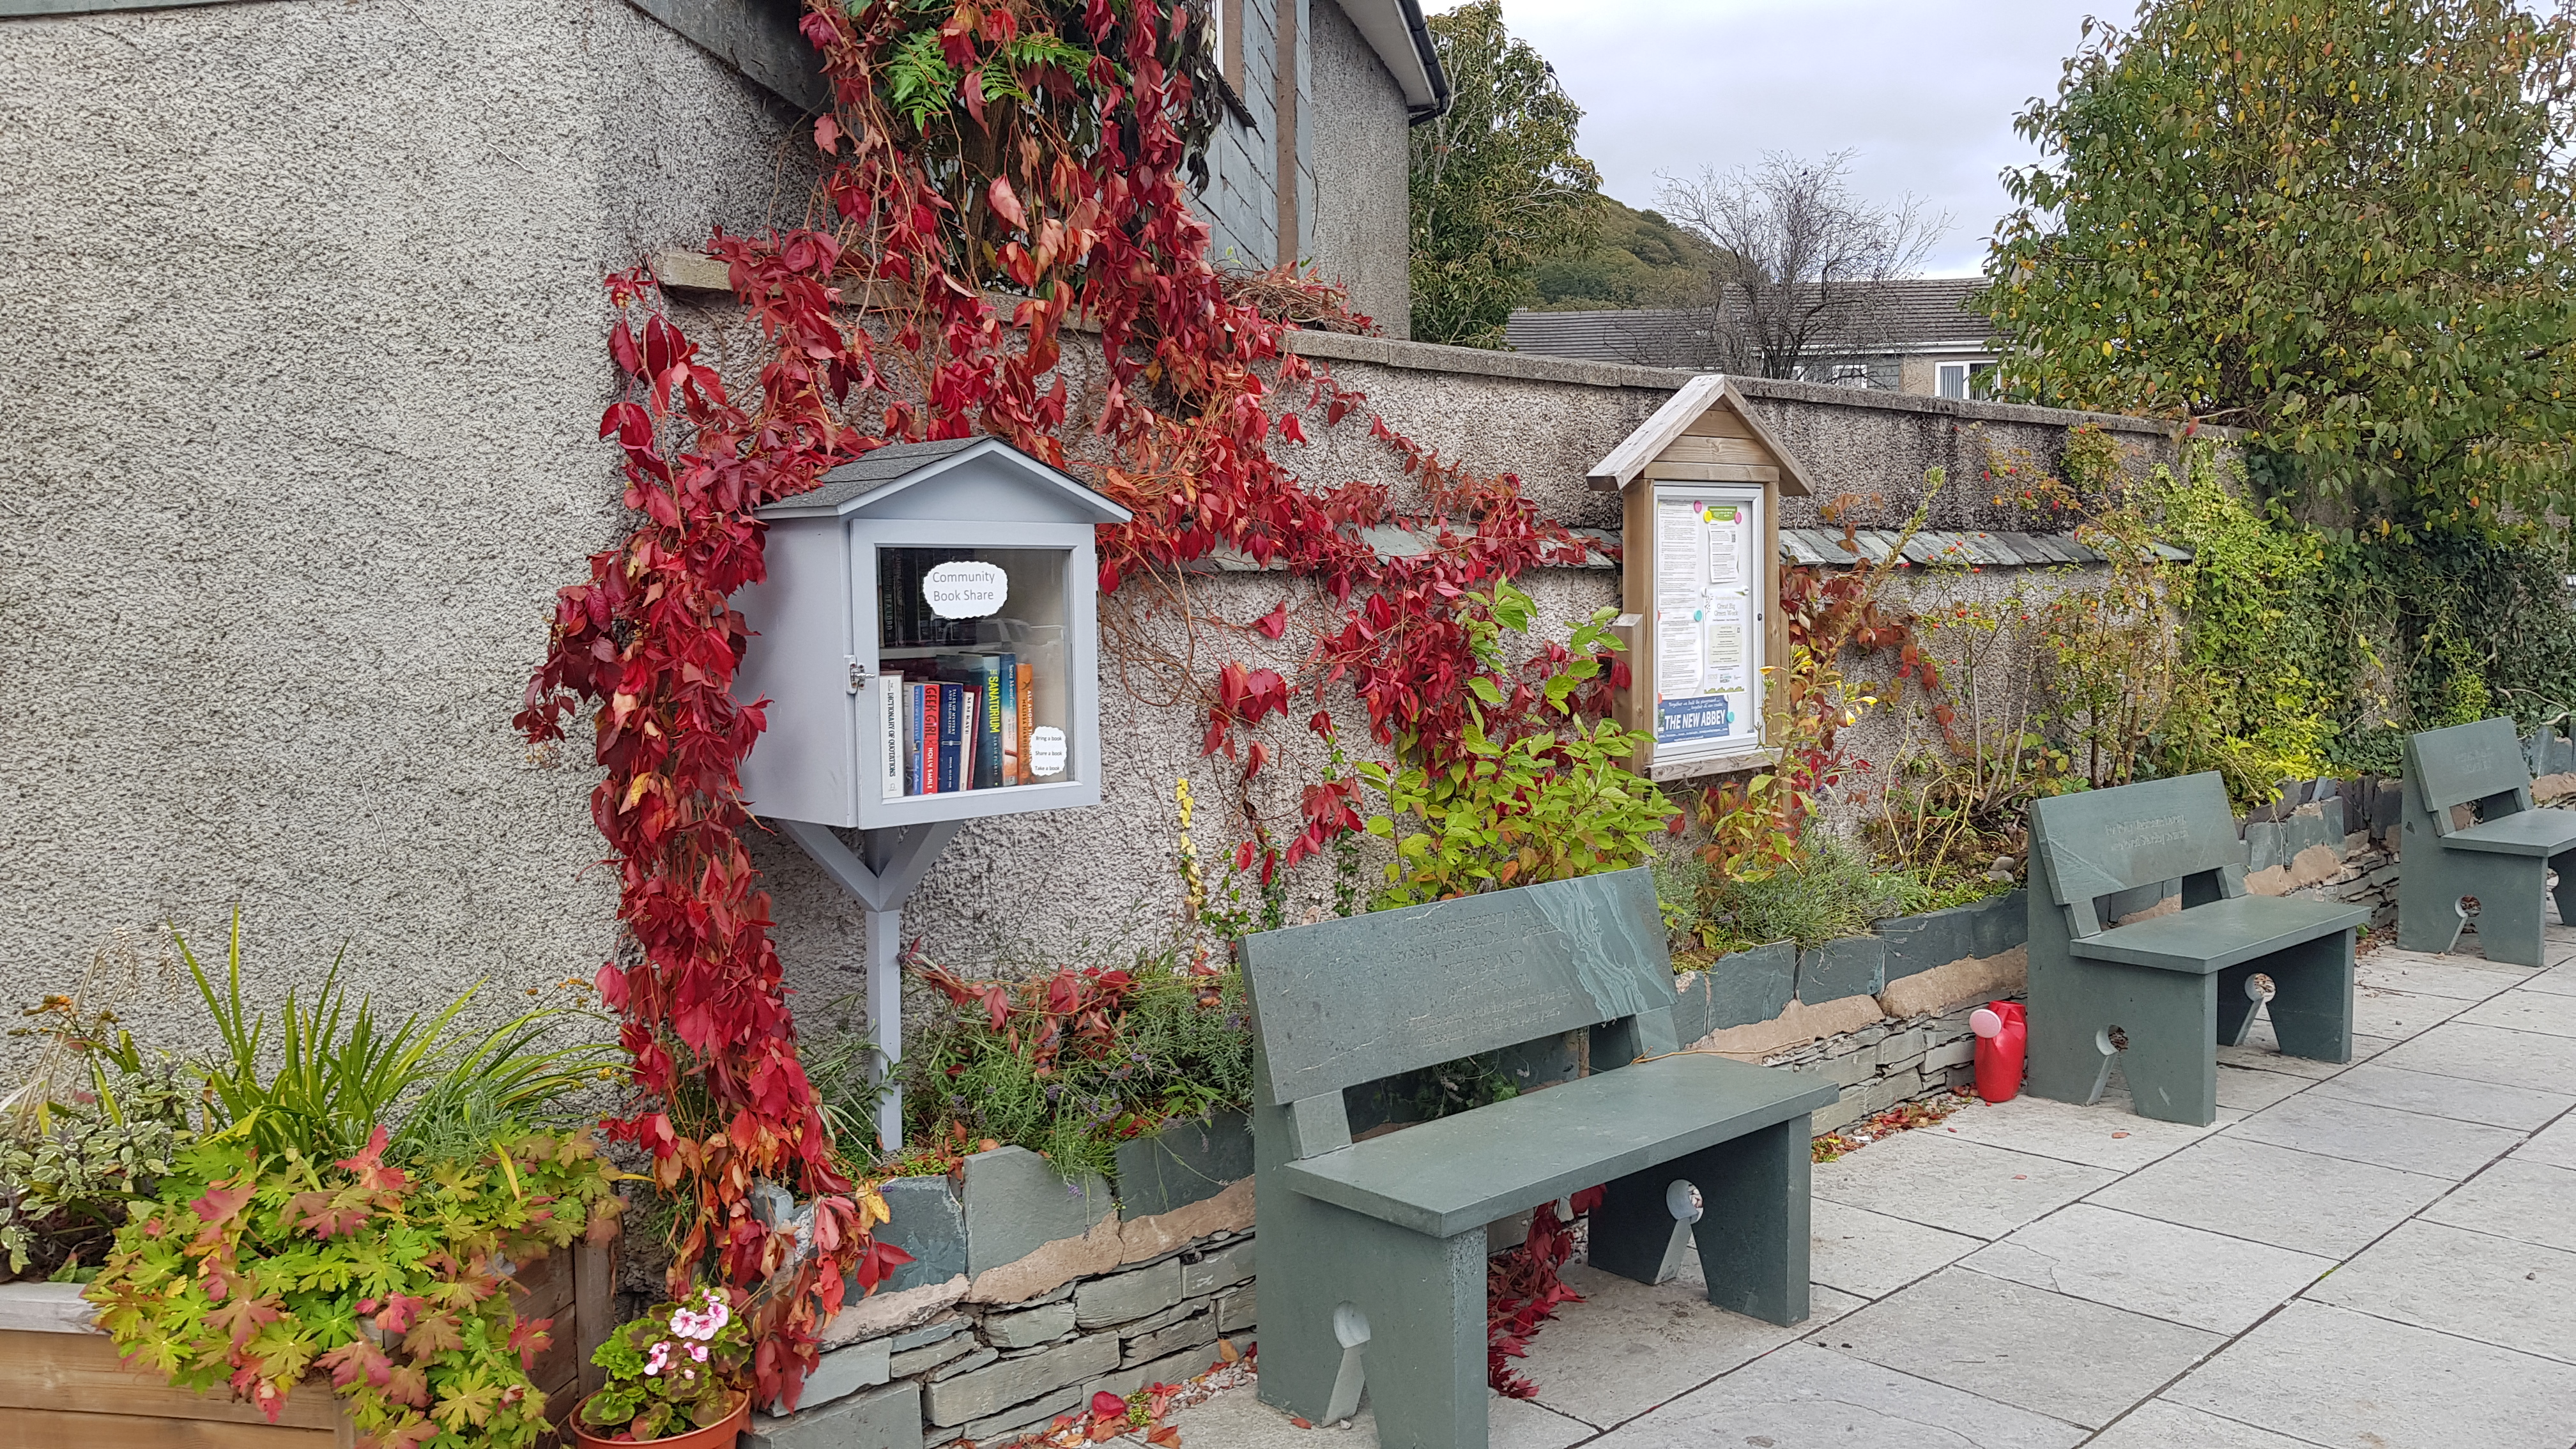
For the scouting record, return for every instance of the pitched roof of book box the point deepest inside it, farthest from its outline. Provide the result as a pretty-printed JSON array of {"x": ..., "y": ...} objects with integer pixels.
[
  {"x": 1704, "y": 433},
  {"x": 986, "y": 480}
]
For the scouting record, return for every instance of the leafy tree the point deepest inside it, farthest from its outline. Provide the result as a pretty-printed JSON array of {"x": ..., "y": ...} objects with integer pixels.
[
  {"x": 1497, "y": 185},
  {"x": 2343, "y": 225}
]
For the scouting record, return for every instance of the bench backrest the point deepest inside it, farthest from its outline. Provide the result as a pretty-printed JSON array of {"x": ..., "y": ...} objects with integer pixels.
[
  {"x": 2097, "y": 843},
  {"x": 1348, "y": 1001},
  {"x": 2469, "y": 764}
]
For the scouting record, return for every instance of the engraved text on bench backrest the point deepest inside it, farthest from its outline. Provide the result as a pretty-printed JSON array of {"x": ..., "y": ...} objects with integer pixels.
[
  {"x": 1343, "y": 1002},
  {"x": 2100, "y": 842},
  {"x": 2467, "y": 763}
]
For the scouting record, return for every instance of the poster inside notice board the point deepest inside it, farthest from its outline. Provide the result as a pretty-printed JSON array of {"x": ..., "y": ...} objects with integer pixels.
[{"x": 1708, "y": 620}]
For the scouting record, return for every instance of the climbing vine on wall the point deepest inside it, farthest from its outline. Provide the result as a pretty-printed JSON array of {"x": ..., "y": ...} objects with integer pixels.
[{"x": 994, "y": 172}]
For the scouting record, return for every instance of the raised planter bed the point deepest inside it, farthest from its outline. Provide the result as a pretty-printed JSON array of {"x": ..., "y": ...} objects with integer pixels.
[{"x": 62, "y": 1385}]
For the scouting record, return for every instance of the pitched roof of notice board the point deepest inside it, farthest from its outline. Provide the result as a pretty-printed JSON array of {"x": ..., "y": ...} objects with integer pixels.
[
  {"x": 1679, "y": 418},
  {"x": 889, "y": 470}
]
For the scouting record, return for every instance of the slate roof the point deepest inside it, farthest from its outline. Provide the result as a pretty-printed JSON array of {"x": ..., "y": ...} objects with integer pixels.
[
  {"x": 1922, "y": 314},
  {"x": 863, "y": 476},
  {"x": 1810, "y": 546},
  {"x": 1824, "y": 546}
]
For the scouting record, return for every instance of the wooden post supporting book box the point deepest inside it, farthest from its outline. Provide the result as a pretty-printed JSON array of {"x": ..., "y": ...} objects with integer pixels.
[
  {"x": 1700, "y": 488},
  {"x": 62, "y": 1385}
]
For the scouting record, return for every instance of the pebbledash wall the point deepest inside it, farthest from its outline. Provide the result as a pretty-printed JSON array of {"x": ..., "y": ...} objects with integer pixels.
[{"x": 307, "y": 316}]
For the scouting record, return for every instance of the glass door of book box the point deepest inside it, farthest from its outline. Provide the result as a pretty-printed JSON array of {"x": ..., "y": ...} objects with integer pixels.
[{"x": 972, "y": 646}]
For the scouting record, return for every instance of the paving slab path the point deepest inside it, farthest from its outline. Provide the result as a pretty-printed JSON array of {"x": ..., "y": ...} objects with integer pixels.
[{"x": 2380, "y": 1255}]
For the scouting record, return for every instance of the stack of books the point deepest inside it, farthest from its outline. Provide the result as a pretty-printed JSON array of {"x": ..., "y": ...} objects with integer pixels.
[
  {"x": 957, "y": 722},
  {"x": 906, "y": 617}
]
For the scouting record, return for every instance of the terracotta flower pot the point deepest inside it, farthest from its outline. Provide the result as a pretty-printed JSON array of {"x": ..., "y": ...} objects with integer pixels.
[{"x": 715, "y": 1436}]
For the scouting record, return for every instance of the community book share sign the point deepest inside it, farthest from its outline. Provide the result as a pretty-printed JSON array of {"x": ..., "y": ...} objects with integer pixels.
[{"x": 1707, "y": 635}]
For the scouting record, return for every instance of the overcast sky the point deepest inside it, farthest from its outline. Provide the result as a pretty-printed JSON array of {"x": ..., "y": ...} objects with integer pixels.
[{"x": 1924, "y": 90}]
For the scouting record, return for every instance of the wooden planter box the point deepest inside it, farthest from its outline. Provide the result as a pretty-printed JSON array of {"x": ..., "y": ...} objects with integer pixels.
[{"x": 62, "y": 1385}]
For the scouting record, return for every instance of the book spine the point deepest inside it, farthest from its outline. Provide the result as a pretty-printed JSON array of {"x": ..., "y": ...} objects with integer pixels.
[
  {"x": 1008, "y": 680},
  {"x": 929, "y": 748},
  {"x": 911, "y": 738},
  {"x": 952, "y": 707},
  {"x": 890, "y": 729},
  {"x": 988, "y": 727},
  {"x": 888, "y": 591},
  {"x": 908, "y": 607},
  {"x": 1028, "y": 714}
]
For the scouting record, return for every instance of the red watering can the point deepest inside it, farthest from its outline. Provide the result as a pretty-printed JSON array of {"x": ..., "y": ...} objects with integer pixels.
[{"x": 2001, "y": 1032}]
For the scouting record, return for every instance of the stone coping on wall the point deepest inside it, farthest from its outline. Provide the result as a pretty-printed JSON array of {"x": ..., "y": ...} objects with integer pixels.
[
  {"x": 1531, "y": 367},
  {"x": 696, "y": 271},
  {"x": 1805, "y": 547}
]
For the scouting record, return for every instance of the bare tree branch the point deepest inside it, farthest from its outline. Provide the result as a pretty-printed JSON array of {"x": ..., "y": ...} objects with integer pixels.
[{"x": 1802, "y": 266}]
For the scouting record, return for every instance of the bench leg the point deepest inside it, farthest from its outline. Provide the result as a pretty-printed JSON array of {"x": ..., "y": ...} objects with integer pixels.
[
  {"x": 2312, "y": 1000},
  {"x": 2169, "y": 1019},
  {"x": 1422, "y": 1301},
  {"x": 2511, "y": 910},
  {"x": 2565, "y": 865},
  {"x": 1753, "y": 1232},
  {"x": 2235, "y": 1007},
  {"x": 2172, "y": 1059}
]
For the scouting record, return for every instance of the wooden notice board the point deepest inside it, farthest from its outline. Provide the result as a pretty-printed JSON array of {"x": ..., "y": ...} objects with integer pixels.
[{"x": 1700, "y": 487}]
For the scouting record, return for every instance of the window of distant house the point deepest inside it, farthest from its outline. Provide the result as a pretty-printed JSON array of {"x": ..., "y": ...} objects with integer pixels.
[
  {"x": 1964, "y": 380},
  {"x": 1851, "y": 374}
]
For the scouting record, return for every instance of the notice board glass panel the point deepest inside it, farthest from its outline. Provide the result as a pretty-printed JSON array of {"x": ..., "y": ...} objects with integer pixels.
[
  {"x": 1709, "y": 604},
  {"x": 971, "y": 643}
]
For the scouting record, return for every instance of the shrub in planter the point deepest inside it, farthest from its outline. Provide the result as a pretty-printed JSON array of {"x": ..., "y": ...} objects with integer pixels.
[
  {"x": 89, "y": 1131},
  {"x": 355, "y": 1204},
  {"x": 1072, "y": 1064},
  {"x": 254, "y": 1268},
  {"x": 679, "y": 1369}
]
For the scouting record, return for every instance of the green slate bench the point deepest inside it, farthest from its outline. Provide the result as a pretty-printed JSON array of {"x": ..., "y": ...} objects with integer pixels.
[
  {"x": 1372, "y": 1263},
  {"x": 2158, "y": 995},
  {"x": 2503, "y": 857}
]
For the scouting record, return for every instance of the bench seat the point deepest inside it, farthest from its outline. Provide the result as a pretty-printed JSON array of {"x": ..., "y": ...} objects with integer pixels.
[
  {"x": 2531, "y": 832},
  {"x": 2211, "y": 937},
  {"x": 1445, "y": 1177}
]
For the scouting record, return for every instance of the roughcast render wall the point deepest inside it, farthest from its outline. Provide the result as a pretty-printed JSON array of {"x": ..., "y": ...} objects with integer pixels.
[{"x": 305, "y": 340}]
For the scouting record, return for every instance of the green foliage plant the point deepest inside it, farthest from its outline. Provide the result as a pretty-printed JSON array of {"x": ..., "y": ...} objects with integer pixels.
[
  {"x": 1541, "y": 808},
  {"x": 1496, "y": 183},
  {"x": 2268, "y": 660},
  {"x": 91, "y": 1128},
  {"x": 1074, "y": 1063},
  {"x": 681, "y": 1366},
  {"x": 1826, "y": 889},
  {"x": 323, "y": 1074},
  {"x": 253, "y": 1267},
  {"x": 1546, "y": 804},
  {"x": 2343, "y": 227}
]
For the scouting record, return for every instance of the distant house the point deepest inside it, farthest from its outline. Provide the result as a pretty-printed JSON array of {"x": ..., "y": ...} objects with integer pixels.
[
  {"x": 1920, "y": 338},
  {"x": 1312, "y": 163}
]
